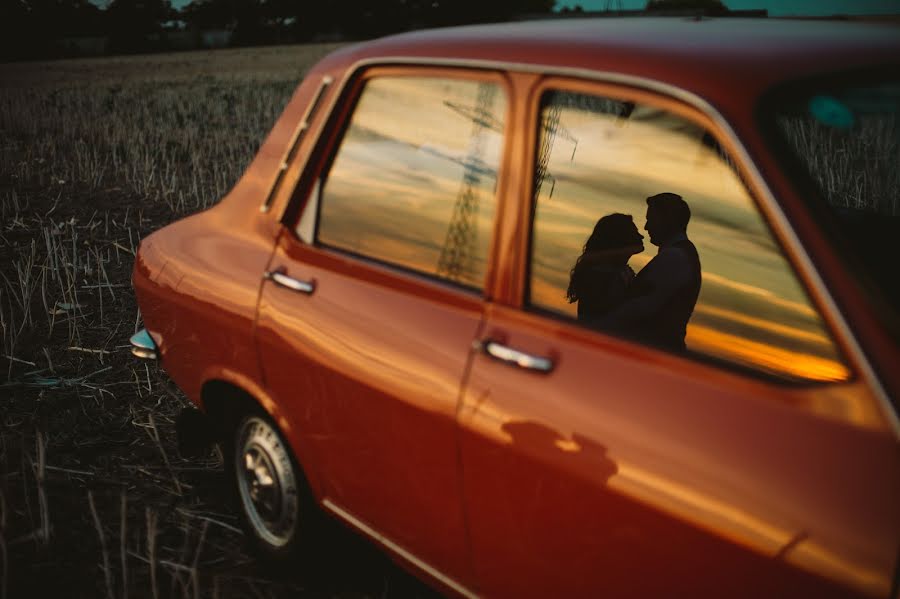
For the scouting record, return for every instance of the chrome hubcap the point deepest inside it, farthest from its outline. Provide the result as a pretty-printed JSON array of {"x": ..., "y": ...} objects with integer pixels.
[
  {"x": 263, "y": 486},
  {"x": 266, "y": 482}
]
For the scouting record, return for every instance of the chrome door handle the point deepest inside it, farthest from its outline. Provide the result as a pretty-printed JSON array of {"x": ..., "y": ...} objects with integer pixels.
[
  {"x": 515, "y": 357},
  {"x": 282, "y": 280}
]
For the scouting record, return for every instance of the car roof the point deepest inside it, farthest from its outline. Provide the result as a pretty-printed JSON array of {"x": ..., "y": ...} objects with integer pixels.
[{"x": 719, "y": 59}]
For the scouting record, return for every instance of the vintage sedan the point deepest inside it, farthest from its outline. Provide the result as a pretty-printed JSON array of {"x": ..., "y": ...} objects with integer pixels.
[{"x": 400, "y": 316}]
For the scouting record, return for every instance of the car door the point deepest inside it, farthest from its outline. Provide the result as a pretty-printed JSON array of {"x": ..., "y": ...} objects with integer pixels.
[
  {"x": 374, "y": 297},
  {"x": 755, "y": 462}
]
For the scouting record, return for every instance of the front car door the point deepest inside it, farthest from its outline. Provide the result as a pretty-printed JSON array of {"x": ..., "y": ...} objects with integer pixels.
[
  {"x": 374, "y": 298},
  {"x": 755, "y": 462}
]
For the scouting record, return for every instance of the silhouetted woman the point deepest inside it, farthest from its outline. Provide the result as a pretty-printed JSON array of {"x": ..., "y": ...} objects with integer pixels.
[{"x": 601, "y": 274}]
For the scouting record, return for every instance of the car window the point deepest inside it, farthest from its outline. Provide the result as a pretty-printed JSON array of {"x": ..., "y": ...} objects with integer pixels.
[
  {"x": 643, "y": 228},
  {"x": 845, "y": 137},
  {"x": 413, "y": 181}
]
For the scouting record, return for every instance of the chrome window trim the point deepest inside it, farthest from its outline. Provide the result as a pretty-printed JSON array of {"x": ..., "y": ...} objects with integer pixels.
[
  {"x": 770, "y": 207},
  {"x": 296, "y": 138},
  {"x": 374, "y": 534}
]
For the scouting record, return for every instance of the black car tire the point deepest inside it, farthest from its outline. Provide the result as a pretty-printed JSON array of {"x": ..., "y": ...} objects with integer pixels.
[{"x": 273, "y": 496}]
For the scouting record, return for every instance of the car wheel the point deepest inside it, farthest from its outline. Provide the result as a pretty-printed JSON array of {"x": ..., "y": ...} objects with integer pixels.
[{"x": 270, "y": 488}]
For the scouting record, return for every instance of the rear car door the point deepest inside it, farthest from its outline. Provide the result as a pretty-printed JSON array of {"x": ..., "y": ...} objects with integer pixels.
[
  {"x": 374, "y": 298},
  {"x": 756, "y": 462}
]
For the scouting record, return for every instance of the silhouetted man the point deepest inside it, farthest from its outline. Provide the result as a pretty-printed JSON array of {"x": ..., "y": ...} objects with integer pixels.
[{"x": 662, "y": 296}]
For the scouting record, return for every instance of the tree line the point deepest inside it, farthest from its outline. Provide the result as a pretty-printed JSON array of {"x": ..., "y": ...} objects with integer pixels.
[{"x": 36, "y": 28}]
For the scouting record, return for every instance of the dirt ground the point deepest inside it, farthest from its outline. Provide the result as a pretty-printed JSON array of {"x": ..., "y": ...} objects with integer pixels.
[{"x": 95, "y": 500}]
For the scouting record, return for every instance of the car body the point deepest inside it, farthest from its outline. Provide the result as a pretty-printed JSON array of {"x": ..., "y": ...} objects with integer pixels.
[{"x": 435, "y": 389}]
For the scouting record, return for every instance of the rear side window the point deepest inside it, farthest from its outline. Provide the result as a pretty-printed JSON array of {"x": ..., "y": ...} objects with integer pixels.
[
  {"x": 701, "y": 275},
  {"x": 845, "y": 138},
  {"x": 413, "y": 181}
]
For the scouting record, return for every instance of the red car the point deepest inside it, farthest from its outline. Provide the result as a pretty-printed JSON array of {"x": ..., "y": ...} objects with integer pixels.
[{"x": 575, "y": 308}]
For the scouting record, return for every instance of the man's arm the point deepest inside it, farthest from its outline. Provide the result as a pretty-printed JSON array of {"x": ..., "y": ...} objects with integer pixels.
[{"x": 671, "y": 271}]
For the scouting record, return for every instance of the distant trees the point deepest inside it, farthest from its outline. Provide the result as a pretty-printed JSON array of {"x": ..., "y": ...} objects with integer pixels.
[
  {"x": 129, "y": 22},
  {"x": 258, "y": 21},
  {"x": 707, "y": 6},
  {"x": 27, "y": 27},
  {"x": 478, "y": 11},
  {"x": 49, "y": 18},
  {"x": 207, "y": 14},
  {"x": 35, "y": 28}
]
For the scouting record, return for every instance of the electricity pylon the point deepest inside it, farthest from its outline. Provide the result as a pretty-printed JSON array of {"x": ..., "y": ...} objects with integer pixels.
[
  {"x": 455, "y": 261},
  {"x": 550, "y": 129}
]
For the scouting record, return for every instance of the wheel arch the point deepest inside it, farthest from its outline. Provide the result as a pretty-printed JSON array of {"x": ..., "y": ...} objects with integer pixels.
[{"x": 223, "y": 398}]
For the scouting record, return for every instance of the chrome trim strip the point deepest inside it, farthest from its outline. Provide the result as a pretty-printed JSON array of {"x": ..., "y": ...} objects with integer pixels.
[
  {"x": 296, "y": 138},
  {"x": 143, "y": 346},
  {"x": 767, "y": 200},
  {"x": 365, "y": 528}
]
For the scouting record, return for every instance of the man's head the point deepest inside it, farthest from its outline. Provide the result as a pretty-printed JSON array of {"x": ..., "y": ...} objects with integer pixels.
[{"x": 667, "y": 215}]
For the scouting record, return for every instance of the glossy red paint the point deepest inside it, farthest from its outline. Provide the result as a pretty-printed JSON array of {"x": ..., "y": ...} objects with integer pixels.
[
  {"x": 625, "y": 471},
  {"x": 625, "y": 460},
  {"x": 374, "y": 395}
]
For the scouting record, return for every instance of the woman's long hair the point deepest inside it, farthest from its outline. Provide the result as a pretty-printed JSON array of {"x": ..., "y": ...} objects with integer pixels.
[{"x": 613, "y": 231}]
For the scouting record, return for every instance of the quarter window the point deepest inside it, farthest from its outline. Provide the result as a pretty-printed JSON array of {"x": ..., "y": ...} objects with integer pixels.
[
  {"x": 720, "y": 288},
  {"x": 846, "y": 138},
  {"x": 413, "y": 181}
]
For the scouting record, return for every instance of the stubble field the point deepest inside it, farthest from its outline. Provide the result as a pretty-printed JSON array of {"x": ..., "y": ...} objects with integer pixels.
[{"x": 95, "y": 500}]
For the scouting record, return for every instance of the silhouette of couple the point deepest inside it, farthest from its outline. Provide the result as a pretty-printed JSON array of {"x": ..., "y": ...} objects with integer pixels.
[{"x": 655, "y": 305}]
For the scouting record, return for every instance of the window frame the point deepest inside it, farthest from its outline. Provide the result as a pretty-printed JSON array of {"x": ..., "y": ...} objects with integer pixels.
[
  {"x": 748, "y": 177},
  {"x": 307, "y": 194},
  {"x": 507, "y": 264}
]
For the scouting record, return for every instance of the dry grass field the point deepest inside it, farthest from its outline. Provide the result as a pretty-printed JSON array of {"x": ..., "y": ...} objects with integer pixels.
[{"x": 95, "y": 500}]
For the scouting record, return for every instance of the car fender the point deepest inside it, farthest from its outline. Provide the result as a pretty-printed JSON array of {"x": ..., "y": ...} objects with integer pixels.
[{"x": 279, "y": 416}]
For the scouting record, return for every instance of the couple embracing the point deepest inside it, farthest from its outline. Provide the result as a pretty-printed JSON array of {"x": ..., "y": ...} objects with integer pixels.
[{"x": 654, "y": 305}]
